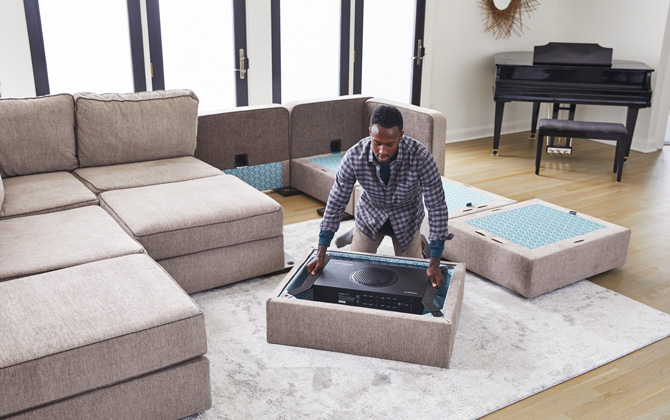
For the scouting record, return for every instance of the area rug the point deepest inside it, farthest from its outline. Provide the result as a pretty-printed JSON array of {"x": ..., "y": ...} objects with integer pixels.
[{"x": 507, "y": 348}]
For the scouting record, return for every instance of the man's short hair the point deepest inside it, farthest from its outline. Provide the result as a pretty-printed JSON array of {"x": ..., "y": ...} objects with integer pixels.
[{"x": 387, "y": 117}]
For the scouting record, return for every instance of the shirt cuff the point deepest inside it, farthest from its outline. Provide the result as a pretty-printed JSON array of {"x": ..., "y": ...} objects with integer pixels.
[
  {"x": 436, "y": 248},
  {"x": 326, "y": 237}
]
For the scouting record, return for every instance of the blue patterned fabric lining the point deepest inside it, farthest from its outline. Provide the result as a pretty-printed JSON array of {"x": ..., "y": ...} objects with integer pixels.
[
  {"x": 301, "y": 275},
  {"x": 535, "y": 226},
  {"x": 331, "y": 162},
  {"x": 457, "y": 196},
  {"x": 262, "y": 177}
]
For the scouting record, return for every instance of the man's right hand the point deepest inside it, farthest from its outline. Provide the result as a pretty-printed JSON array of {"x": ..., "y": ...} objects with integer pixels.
[{"x": 317, "y": 263}]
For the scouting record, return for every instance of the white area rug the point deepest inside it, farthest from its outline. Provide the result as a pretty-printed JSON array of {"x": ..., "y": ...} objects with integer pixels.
[{"x": 507, "y": 348}]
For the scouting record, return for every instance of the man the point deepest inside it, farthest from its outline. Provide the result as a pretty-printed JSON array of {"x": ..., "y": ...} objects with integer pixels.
[{"x": 395, "y": 171}]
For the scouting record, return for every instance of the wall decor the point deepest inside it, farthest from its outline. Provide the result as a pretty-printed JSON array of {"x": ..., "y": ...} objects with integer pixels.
[{"x": 502, "y": 17}]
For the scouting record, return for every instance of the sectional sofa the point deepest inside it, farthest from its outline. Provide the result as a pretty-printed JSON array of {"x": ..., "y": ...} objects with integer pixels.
[{"x": 115, "y": 207}]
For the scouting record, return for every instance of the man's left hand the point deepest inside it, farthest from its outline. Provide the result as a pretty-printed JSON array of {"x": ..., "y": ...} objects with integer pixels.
[{"x": 434, "y": 272}]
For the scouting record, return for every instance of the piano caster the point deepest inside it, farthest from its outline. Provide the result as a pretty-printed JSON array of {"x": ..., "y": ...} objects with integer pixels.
[
  {"x": 532, "y": 136},
  {"x": 495, "y": 153}
]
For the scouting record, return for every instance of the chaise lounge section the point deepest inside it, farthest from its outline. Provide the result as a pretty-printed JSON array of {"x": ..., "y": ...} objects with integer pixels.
[{"x": 94, "y": 326}]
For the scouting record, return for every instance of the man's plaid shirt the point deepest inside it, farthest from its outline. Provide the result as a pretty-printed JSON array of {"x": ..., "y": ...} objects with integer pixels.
[{"x": 413, "y": 174}]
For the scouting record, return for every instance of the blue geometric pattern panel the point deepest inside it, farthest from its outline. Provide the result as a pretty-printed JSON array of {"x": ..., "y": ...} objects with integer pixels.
[
  {"x": 301, "y": 275},
  {"x": 262, "y": 177},
  {"x": 535, "y": 226},
  {"x": 457, "y": 196},
  {"x": 331, "y": 162}
]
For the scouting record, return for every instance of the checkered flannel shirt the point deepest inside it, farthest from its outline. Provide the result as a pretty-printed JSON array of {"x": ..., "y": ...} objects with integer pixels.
[{"x": 413, "y": 173}]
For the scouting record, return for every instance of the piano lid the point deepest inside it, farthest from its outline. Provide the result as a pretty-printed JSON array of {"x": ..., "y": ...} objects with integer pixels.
[
  {"x": 525, "y": 58},
  {"x": 572, "y": 54}
]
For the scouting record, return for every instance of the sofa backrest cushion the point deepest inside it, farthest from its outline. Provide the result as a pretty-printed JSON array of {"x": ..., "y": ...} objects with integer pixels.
[
  {"x": 314, "y": 124},
  {"x": 423, "y": 124},
  {"x": 259, "y": 131},
  {"x": 37, "y": 135},
  {"x": 134, "y": 127}
]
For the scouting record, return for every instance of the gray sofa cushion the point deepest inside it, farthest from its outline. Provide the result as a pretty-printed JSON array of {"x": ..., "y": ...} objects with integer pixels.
[
  {"x": 45, "y": 242},
  {"x": 85, "y": 327},
  {"x": 44, "y": 193},
  {"x": 37, "y": 135},
  {"x": 2, "y": 193},
  {"x": 141, "y": 174},
  {"x": 193, "y": 216},
  {"x": 134, "y": 127}
]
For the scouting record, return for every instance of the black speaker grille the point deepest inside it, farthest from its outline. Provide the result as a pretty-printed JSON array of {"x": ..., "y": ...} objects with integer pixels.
[{"x": 374, "y": 277}]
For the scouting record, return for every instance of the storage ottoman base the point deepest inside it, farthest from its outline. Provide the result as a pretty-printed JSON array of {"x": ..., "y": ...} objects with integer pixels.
[
  {"x": 422, "y": 339},
  {"x": 534, "y": 247}
]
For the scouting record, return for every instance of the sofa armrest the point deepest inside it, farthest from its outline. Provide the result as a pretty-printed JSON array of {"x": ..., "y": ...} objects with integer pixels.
[{"x": 423, "y": 124}]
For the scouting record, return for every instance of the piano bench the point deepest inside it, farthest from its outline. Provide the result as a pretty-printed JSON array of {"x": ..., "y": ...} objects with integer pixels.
[{"x": 584, "y": 130}]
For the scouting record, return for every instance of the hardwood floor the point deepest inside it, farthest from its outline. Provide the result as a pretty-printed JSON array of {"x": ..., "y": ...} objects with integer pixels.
[{"x": 636, "y": 386}]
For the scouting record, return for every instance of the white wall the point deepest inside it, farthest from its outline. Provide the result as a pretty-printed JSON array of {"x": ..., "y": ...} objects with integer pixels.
[
  {"x": 16, "y": 66},
  {"x": 462, "y": 73}
]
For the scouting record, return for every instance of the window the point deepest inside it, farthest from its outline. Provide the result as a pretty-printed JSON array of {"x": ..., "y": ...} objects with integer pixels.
[
  {"x": 310, "y": 49},
  {"x": 87, "y": 45}
]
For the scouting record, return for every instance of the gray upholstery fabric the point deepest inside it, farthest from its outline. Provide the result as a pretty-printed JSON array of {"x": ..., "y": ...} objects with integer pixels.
[
  {"x": 172, "y": 393},
  {"x": 366, "y": 331},
  {"x": 192, "y": 216},
  {"x": 134, "y": 127},
  {"x": 261, "y": 132},
  {"x": 141, "y": 174},
  {"x": 423, "y": 124},
  {"x": 316, "y": 181},
  {"x": 37, "y": 135},
  {"x": 72, "y": 330},
  {"x": 44, "y": 193},
  {"x": 2, "y": 194},
  {"x": 220, "y": 266},
  {"x": 315, "y": 123},
  {"x": 45, "y": 242},
  {"x": 534, "y": 272}
]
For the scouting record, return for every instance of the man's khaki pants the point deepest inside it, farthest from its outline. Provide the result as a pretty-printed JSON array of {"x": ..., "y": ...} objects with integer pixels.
[{"x": 362, "y": 243}]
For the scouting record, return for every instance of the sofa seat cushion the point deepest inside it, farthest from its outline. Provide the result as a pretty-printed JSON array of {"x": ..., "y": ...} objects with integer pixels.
[
  {"x": 315, "y": 176},
  {"x": 44, "y": 193},
  {"x": 45, "y": 242},
  {"x": 181, "y": 218},
  {"x": 133, "y": 127},
  {"x": 81, "y": 328},
  {"x": 37, "y": 135},
  {"x": 140, "y": 174}
]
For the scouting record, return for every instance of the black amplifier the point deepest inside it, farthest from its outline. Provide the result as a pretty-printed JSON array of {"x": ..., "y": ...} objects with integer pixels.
[{"x": 375, "y": 286}]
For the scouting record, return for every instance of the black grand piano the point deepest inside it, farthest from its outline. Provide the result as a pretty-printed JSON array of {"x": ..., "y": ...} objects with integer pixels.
[{"x": 572, "y": 74}]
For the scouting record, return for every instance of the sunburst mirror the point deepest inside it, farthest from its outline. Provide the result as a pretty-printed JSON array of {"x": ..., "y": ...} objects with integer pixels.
[{"x": 502, "y": 17}]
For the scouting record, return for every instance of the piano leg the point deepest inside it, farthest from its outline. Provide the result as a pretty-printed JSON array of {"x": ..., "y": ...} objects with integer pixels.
[
  {"x": 497, "y": 125},
  {"x": 571, "y": 117},
  {"x": 631, "y": 119},
  {"x": 533, "y": 124}
]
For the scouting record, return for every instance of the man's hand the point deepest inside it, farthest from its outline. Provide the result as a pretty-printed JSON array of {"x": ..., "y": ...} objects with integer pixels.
[
  {"x": 317, "y": 263},
  {"x": 434, "y": 272}
]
